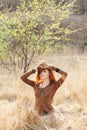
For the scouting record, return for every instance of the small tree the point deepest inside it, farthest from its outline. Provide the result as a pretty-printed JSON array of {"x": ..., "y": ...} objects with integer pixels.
[{"x": 31, "y": 31}]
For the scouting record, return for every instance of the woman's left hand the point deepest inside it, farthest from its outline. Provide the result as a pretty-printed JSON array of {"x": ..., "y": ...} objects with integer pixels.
[{"x": 51, "y": 67}]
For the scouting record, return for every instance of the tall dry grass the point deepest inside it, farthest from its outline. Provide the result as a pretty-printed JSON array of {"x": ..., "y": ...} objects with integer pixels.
[{"x": 70, "y": 100}]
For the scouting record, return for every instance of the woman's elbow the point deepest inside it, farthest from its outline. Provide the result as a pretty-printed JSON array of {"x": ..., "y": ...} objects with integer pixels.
[
  {"x": 22, "y": 78},
  {"x": 65, "y": 75}
]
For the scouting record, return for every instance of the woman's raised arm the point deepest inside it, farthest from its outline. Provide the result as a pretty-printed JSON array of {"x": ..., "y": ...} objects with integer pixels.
[
  {"x": 62, "y": 78},
  {"x": 25, "y": 76}
]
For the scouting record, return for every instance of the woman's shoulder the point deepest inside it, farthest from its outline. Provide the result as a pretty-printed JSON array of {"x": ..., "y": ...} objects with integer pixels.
[{"x": 36, "y": 84}]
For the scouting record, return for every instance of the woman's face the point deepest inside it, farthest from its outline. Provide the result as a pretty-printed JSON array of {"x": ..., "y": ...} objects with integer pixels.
[{"x": 44, "y": 74}]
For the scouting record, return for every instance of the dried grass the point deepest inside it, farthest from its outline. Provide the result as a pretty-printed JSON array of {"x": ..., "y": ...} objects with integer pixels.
[{"x": 17, "y": 100}]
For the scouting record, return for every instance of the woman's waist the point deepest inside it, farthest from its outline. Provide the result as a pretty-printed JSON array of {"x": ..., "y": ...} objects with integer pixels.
[{"x": 43, "y": 109}]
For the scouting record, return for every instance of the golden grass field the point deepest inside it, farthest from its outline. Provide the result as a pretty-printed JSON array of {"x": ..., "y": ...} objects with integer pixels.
[{"x": 70, "y": 100}]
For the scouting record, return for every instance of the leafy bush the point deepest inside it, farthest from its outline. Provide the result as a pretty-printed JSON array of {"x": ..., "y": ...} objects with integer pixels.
[{"x": 32, "y": 30}]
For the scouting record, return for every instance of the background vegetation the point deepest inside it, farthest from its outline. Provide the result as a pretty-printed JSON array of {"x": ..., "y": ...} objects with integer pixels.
[
  {"x": 30, "y": 28},
  {"x": 33, "y": 30},
  {"x": 12, "y": 4}
]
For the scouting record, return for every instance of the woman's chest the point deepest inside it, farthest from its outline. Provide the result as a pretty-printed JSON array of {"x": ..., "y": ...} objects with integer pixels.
[
  {"x": 41, "y": 92},
  {"x": 44, "y": 92}
]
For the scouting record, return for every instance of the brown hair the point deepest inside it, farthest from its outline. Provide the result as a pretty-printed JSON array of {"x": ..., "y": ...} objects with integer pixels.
[{"x": 45, "y": 65}]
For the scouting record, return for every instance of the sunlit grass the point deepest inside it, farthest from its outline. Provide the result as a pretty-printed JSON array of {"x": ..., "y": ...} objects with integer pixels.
[{"x": 70, "y": 100}]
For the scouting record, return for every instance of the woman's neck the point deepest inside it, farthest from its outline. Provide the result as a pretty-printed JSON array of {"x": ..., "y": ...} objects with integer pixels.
[{"x": 44, "y": 83}]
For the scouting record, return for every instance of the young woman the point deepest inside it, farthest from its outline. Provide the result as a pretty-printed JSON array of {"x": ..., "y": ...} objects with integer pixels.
[{"x": 44, "y": 86}]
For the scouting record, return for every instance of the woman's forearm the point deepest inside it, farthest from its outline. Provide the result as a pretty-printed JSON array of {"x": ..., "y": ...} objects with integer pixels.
[
  {"x": 62, "y": 78},
  {"x": 63, "y": 73},
  {"x": 25, "y": 76}
]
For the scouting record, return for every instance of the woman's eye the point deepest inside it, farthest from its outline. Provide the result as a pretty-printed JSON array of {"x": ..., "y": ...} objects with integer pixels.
[{"x": 45, "y": 71}]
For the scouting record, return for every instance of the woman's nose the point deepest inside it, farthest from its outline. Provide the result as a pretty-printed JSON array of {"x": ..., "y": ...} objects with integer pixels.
[{"x": 42, "y": 73}]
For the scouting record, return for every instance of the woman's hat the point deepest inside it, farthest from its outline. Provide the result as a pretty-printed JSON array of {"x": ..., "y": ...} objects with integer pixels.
[{"x": 43, "y": 65}]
